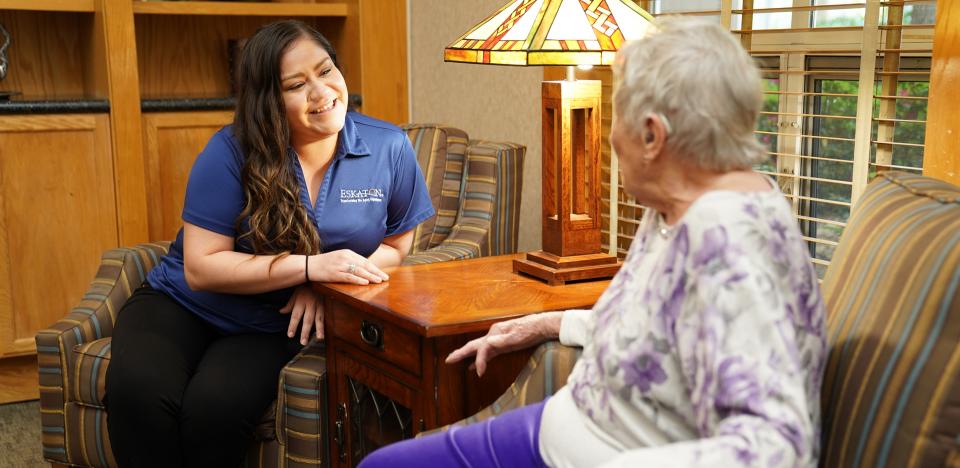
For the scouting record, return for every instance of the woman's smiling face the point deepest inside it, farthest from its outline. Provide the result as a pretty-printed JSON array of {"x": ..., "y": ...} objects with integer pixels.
[{"x": 314, "y": 92}]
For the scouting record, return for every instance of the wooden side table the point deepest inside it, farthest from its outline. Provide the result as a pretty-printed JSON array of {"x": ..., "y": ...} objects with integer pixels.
[{"x": 386, "y": 345}]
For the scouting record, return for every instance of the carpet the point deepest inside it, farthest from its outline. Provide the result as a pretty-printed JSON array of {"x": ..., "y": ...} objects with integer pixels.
[{"x": 20, "y": 435}]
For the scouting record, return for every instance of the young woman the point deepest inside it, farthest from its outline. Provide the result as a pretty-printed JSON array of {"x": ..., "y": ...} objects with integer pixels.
[{"x": 297, "y": 190}]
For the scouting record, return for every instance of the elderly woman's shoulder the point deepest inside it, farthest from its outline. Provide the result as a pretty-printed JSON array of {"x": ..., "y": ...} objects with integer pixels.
[{"x": 742, "y": 217}]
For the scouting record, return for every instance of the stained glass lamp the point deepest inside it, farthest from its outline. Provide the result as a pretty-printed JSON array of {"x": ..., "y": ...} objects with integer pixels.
[{"x": 561, "y": 32}]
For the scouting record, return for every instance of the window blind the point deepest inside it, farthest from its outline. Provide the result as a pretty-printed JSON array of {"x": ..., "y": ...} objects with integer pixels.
[{"x": 845, "y": 88}]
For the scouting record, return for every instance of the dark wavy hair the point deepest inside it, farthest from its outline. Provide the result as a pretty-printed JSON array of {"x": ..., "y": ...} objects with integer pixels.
[{"x": 278, "y": 222}]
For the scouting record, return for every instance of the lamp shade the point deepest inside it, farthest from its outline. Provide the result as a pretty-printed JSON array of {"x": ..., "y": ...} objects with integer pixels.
[{"x": 552, "y": 32}]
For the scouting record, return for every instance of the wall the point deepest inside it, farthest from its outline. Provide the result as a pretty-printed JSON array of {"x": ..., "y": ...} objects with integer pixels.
[{"x": 488, "y": 102}]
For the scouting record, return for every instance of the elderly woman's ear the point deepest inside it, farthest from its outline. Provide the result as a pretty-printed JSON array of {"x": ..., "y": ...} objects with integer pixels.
[{"x": 655, "y": 131}]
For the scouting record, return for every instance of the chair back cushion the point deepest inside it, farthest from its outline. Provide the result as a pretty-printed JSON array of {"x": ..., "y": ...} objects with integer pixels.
[
  {"x": 440, "y": 153},
  {"x": 491, "y": 201},
  {"x": 891, "y": 389}
]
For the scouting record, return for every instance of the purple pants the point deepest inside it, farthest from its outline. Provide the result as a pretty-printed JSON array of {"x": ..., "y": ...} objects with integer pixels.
[{"x": 506, "y": 441}]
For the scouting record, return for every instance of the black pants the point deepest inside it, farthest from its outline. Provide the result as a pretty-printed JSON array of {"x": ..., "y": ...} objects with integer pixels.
[{"x": 180, "y": 394}]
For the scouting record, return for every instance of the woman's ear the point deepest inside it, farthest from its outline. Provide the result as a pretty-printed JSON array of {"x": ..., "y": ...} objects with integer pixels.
[{"x": 654, "y": 135}]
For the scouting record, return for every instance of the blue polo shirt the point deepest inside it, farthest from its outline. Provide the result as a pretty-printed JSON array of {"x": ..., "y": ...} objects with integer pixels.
[{"x": 372, "y": 189}]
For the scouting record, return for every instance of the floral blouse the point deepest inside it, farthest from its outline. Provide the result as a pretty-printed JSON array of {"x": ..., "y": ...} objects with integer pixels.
[{"x": 712, "y": 335}]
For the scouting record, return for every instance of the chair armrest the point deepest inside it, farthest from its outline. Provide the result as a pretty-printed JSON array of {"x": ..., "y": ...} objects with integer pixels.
[
  {"x": 489, "y": 214},
  {"x": 465, "y": 241},
  {"x": 545, "y": 373},
  {"x": 302, "y": 407},
  {"x": 121, "y": 271}
]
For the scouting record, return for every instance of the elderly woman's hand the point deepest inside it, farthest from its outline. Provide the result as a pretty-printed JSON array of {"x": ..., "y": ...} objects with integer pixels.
[{"x": 508, "y": 336}]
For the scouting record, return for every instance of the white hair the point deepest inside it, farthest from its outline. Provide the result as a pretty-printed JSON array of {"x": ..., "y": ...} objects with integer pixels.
[{"x": 696, "y": 74}]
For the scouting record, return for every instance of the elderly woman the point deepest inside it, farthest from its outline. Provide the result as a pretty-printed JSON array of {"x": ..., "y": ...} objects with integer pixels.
[{"x": 707, "y": 349}]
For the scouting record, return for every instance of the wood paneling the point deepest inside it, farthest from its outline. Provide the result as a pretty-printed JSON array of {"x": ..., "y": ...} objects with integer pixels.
[
  {"x": 171, "y": 143},
  {"x": 383, "y": 30},
  {"x": 57, "y": 215},
  {"x": 346, "y": 40},
  {"x": 188, "y": 55},
  {"x": 240, "y": 8},
  {"x": 941, "y": 158},
  {"x": 49, "y": 5},
  {"x": 112, "y": 22},
  {"x": 18, "y": 379},
  {"x": 47, "y": 53}
]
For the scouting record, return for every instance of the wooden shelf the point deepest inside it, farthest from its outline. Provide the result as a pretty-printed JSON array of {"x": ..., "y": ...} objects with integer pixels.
[
  {"x": 82, "y": 6},
  {"x": 238, "y": 8}
]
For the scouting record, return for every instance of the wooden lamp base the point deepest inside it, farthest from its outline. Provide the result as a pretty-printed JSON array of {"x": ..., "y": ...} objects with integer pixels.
[{"x": 556, "y": 270}]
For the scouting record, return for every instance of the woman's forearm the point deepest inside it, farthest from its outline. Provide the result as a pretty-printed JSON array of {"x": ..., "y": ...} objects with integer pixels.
[
  {"x": 392, "y": 250},
  {"x": 239, "y": 273},
  {"x": 387, "y": 256}
]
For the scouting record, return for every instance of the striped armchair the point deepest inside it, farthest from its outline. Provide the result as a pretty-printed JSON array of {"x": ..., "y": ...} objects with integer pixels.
[
  {"x": 891, "y": 390},
  {"x": 74, "y": 354},
  {"x": 475, "y": 187}
]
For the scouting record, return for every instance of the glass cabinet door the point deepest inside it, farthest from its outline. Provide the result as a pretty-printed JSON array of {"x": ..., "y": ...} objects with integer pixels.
[{"x": 375, "y": 420}]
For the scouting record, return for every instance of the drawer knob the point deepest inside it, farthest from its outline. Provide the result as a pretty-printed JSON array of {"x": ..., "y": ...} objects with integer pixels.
[{"x": 371, "y": 334}]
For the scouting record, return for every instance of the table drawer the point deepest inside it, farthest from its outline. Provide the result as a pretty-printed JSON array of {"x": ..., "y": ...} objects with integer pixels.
[{"x": 383, "y": 340}]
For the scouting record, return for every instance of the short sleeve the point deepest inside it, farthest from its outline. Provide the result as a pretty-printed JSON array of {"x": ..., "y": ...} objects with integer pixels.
[
  {"x": 409, "y": 203},
  {"x": 214, "y": 196}
]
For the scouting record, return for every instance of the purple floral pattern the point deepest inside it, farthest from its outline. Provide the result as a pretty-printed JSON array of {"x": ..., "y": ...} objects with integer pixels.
[{"x": 720, "y": 326}]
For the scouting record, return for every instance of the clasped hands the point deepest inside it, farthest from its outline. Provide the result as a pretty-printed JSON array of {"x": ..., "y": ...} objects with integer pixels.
[
  {"x": 507, "y": 336},
  {"x": 339, "y": 266}
]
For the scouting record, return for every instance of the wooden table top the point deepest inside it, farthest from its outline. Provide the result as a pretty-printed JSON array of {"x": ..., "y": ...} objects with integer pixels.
[{"x": 450, "y": 298}]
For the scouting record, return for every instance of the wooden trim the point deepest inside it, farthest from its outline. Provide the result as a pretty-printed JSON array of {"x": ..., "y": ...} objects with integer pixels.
[
  {"x": 82, "y": 6},
  {"x": 868, "y": 63},
  {"x": 943, "y": 121},
  {"x": 114, "y": 22},
  {"x": 240, "y": 8},
  {"x": 45, "y": 123},
  {"x": 725, "y": 13}
]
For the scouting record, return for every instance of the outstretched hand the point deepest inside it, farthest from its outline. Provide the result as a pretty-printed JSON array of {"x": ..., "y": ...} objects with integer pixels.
[{"x": 508, "y": 336}]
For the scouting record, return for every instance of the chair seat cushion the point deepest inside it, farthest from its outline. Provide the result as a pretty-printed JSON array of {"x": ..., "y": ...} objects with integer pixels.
[{"x": 88, "y": 385}]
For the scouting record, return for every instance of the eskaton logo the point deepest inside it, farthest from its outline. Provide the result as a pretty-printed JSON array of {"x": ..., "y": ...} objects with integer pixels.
[{"x": 361, "y": 195}]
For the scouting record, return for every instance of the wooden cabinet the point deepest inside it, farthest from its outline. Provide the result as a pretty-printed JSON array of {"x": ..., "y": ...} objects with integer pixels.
[
  {"x": 57, "y": 214},
  {"x": 386, "y": 346},
  {"x": 374, "y": 406},
  {"x": 75, "y": 185},
  {"x": 171, "y": 142}
]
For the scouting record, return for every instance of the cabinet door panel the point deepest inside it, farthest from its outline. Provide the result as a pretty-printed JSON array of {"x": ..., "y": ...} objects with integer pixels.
[
  {"x": 379, "y": 410},
  {"x": 172, "y": 142},
  {"x": 57, "y": 216}
]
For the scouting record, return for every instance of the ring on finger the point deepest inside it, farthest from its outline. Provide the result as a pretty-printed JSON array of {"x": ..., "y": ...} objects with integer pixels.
[{"x": 351, "y": 267}]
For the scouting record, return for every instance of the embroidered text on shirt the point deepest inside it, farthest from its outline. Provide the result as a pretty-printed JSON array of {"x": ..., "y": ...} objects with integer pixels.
[{"x": 361, "y": 195}]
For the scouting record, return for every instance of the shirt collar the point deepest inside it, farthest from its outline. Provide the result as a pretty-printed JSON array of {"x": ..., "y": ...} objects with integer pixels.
[{"x": 350, "y": 144}]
